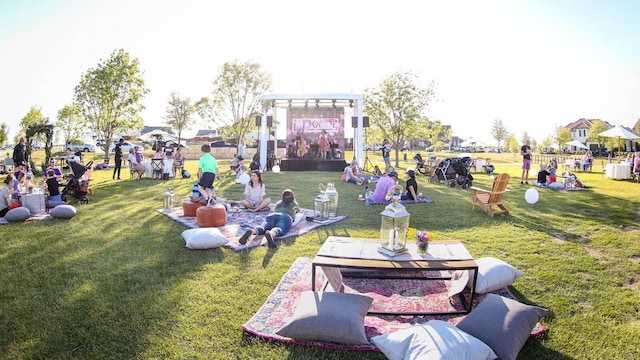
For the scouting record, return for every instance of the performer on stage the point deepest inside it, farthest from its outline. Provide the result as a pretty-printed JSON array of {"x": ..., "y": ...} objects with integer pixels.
[
  {"x": 323, "y": 144},
  {"x": 302, "y": 147}
]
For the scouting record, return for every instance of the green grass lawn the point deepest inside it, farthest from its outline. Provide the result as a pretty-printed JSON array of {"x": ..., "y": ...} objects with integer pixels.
[{"x": 116, "y": 281}]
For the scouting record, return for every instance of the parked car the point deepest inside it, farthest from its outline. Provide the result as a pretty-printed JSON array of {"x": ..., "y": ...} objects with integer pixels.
[
  {"x": 126, "y": 147},
  {"x": 222, "y": 144},
  {"x": 163, "y": 144},
  {"x": 84, "y": 147}
]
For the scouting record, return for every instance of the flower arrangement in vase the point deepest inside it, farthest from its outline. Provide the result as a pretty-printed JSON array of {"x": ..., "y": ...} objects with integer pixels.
[{"x": 423, "y": 241}]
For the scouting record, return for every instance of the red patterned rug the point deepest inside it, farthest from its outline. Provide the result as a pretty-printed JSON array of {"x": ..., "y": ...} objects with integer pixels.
[
  {"x": 400, "y": 295},
  {"x": 239, "y": 221}
]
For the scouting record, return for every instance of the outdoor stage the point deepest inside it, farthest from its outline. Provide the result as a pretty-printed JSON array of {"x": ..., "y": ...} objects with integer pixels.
[{"x": 311, "y": 165}]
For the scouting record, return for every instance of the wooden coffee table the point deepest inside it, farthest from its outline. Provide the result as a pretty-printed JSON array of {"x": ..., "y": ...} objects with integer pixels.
[{"x": 362, "y": 254}]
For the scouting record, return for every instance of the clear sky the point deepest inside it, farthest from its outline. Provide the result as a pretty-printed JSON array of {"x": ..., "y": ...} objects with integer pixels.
[{"x": 533, "y": 64}]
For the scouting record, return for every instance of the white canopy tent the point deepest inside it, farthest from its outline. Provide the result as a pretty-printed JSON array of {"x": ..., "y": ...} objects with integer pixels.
[
  {"x": 577, "y": 144},
  {"x": 329, "y": 99}
]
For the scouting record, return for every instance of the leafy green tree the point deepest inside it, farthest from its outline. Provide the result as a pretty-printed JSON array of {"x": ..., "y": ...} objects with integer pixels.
[
  {"x": 111, "y": 95},
  {"x": 598, "y": 126},
  {"x": 562, "y": 136},
  {"x": 397, "y": 109},
  {"x": 70, "y": 122},
  {"x": 513, "y": 144},
  {"x": 438, "y": 135},
  {"x": 33, "y": 117},
  {"x": 236, "y": 98},
  {"x": 524, "y": 138},
  {"x": 499, "y": 131},
  {"x": 4, "y": 134},
  {"x": 179, "y": 114}
]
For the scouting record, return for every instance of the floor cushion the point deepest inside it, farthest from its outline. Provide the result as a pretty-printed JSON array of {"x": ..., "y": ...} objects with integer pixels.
[
  {"x": 63, "y": 212},
  {"x": 503, "y": 324},
  {"x": 434, "y": 340},
  {"x": 329, "y": 316},
  {"x": 204, "y": 238},
  {"x": 212, "y": 216},
  {"x": 18, "y": 214},
  {"x": 189, "y": 208}
]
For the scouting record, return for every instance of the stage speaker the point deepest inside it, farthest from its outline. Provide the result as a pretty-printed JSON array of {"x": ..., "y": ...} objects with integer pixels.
[
  {"x": 269, "y": 121},
  {"x": 354, "y": 121}
]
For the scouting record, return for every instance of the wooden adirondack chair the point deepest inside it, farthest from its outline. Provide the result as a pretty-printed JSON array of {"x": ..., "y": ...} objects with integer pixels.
[{"x": 487, "y": 199}]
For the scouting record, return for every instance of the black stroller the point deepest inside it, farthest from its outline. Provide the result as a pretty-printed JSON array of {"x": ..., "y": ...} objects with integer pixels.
[
  {"x": 455, "y": 171},
  {"x": 77, "y": 187},
  {"x": 422, "y": 167}
]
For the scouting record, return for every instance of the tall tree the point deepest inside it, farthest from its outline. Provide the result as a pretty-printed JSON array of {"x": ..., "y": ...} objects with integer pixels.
[
  {"x": 562, "y": 136},
  {"x": 236, "y": 98},
  {"x": 110, "y": 96},
  {"x": 598, "y": 126},
  {"x": 4, "y": 134},
  {"x": 33, "y": 117},
  {"x": 513, "y": 145},
  {"x": 179, "y": 114},
  {"x": 499, "y": 131},
  {"x": 70, "y": 122},
  {"x": 525, "y": 137},
  {"x": 397, "y": 108}
]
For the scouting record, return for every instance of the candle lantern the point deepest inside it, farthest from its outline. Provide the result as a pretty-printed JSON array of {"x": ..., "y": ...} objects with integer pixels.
[
  {"x": 168, "y": 199},
  {"x": 332, "y": 194},
  {"x": 321, "y": 207},
  {"x": 394, "y": 225}
]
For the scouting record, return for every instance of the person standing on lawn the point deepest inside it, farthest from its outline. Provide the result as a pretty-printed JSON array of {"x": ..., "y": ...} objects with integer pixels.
[
  {"x": 207, "y": 172},
  {"x": 117, "y": 150},
  {"x": 525, "y": 151}
]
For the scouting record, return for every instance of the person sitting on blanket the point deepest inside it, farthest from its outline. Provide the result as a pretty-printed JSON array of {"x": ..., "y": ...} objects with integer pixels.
[
  {"x": 196, "y": 196},
  {"x": 412, "y": 187},
  {"x": 277, "y": 222},
  {"x": 382, "y": 187},
  {"x": 351, "y": 176},
  {"x": 254, "y": 194},
  {"x": 376, "y": 171},
  {"x": 543, "y": 175}
]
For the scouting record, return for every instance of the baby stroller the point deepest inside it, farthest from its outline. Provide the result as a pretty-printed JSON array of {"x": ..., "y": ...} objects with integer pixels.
[
  {"x": 454, "y": 171},
  {"x": 422, "y": 167},
  {"x": 77, "y": 187}
]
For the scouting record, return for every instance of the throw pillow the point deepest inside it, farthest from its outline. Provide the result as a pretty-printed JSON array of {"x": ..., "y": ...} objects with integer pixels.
[
  {"x": 204, "y": 238},
  {"x": 18, "y": 214},
  {"x": 503, "y": 324},
  {"x": 329, "y": 316},
  {"x": 63, "y": 212},
  {"x": 434, "y": 340},
  {"x": 494, "y": 274}
]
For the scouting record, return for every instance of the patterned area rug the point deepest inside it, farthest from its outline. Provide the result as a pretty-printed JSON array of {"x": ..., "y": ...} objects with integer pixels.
[
  {"x": 401, "y": 295},
  {"x": 239, "y": 221},
  {"x": 423, "y": 200},
  {"x": 37, "y": 217}
]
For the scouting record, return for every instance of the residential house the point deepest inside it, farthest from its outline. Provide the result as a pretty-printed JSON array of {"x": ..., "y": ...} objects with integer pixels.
[{"x": 206, "y": 135}]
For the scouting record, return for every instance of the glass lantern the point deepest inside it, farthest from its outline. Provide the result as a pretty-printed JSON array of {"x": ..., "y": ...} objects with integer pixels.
[
  {"x": 168, "y": 199},
  {"x": 321, "y": 207},
  {"x": 332, "y": 195},
  {"x": 394, "y": 226}
]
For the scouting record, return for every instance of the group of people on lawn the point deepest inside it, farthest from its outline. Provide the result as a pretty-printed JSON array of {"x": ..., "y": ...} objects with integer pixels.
[{"x": 136, "y": 159}]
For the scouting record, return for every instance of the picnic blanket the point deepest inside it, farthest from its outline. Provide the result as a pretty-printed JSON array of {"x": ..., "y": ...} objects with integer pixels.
[
  {"x": 238, "y": 221},
  {"x": 397, "y": 294}
]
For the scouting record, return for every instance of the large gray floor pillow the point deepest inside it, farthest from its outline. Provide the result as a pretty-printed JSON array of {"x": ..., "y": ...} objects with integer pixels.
[
  {"x": 18, "y": 214},
  {"x": 63, "y": 212}
]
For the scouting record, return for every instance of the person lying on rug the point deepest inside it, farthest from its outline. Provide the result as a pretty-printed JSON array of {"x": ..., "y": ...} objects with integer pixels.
[
  {"x": 412, "y": 187},
  {"x": 254, "y": 194},
  {"x": 383, "y": 185},
  {"x": 277, "y": 222}
]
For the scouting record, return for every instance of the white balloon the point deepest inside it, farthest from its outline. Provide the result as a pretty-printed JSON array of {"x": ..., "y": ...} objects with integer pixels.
[
  {"x": 492, "y": 177},
  {"x": 531, "y": 196},
  {"x": 275, "y": 169},
  {"x": 244, "y": 179}
]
